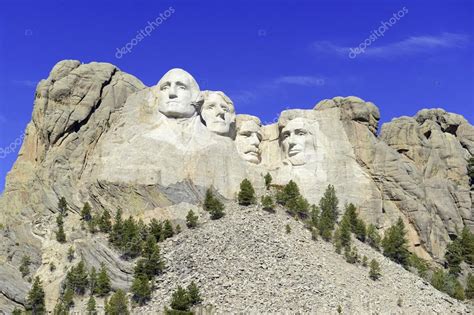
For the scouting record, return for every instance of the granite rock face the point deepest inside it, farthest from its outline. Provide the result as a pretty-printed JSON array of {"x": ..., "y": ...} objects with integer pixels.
[{"x": 99, "y": 135}]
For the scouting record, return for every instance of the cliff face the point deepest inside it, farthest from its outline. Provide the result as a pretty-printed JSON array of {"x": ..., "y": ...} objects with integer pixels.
[{"x": 99, "y": 135}]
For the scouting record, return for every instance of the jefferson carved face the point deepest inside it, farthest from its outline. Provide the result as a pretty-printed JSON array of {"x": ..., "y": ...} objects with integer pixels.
[
  {"x": 177, "y": 91},
  {"x": 218, "y": 113},
  {"x": 248, "y": 139},
  {"x": 297, "y": 142}
]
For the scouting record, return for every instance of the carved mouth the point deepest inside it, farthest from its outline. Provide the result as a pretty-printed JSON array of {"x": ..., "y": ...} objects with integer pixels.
[{"x": 294, "y": 152}]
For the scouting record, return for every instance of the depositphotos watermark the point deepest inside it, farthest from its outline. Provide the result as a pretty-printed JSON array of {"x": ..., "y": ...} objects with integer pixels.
[
  {"x": 12, "y": 147},
  {"x": 376, "y": 34},
  {"x": 141, "y": 34}
]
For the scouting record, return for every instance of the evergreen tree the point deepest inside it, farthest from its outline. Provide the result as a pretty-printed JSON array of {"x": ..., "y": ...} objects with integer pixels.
[
  {"x": 167, "y": 229},
  {"x": 118, "y": 304},
  {"x": 25, "y": 265},
  {"x": 337, "y": 240},
  {"x": 68, "y": 299},
  {"x": 454, "y": 257},
  {"x": 93, "y": 223},
  {"x": 470, "y": 170},
  {"x": 373, "y": 237},
  {"x": 314, "y": 216},
  {"x": 91, "y": 304},
  {"x": 77, "y": 278},
  {"x": 93, "y": 280},
  {"x": 467, "y": 245},
  {"x": 193, "y": 294},
  {"x": 180, "y": 300},
  {"x": 86, "y": 212},
  {"x": 62, "y": 206},
  {"x": 141, "y": 290},
  {"x": 288, "y": 229},
  {"x": 217, "y": 210},
  {"x": 267, "y": 203},
  {"x": 299, "y": 207},
  {"x": 60, "y": 235},
  {"x": 191, "y": 219},
  {"x": 268, "y": 180},
  {"x": 70, "y": 253},
  {"x": 60, "y": 309},
  {"x": 105, "y": 223},
  {"x": 151, "y": 264},
  {"x": 209, "y": 200},
  {"x": 351, "y": 254},
  {"x": 420, "y": 265},
  {"x": 246, "y": 194},
  {"x": 35, "y": 298},
  {"x": 374, "y": 272},
  {"x": 328, "y": 205},
  {"x": 156, "y": 229},
  {"x": 17, "y": 311},
  {"x": 395, "y": 243},
  {"x": 360, "y": 230},
  {"x": 116, "y": 234},
  {"x": 329, "y": 202},
  {"x": 447, "y": 283},
  {"x": 130, "y": 242},
  {"x": 345, "y": 232},
  {"x": 103, "y": 286},
  {"x": 470, "y": 287}
]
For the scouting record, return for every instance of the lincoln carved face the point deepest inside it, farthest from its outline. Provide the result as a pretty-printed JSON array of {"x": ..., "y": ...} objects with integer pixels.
[
  {"x": 177, "y": 92},
  {"x": 248, "y": 139},
  {"x": 297, "y": 142},
  {"x": 218, "y": 113}
]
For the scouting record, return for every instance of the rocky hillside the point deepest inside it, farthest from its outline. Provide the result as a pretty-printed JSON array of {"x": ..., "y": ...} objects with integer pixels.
[{"x": 98, "y": 135}]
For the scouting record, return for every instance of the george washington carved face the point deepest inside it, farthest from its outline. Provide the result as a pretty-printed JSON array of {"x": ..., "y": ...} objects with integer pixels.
[{"x": 177, "y": 92}]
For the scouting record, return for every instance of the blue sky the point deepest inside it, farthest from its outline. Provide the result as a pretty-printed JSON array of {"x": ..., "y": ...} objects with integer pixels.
[{"x": 266, "y": 55}]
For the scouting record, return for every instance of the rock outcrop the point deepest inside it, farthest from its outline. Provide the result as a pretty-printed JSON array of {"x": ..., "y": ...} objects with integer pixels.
[{"x": 99, "y": 135}]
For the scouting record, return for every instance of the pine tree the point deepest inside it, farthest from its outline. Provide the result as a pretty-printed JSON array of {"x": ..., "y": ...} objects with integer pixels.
[
  {"x": 217, "y": 210},
  {"x": 151, "y": 264},
  {"x": 395, "y": 243},
  {"x": 60, "y": 308},
  {"x": 36, "y": 298},
  {"x": 360, "y": 230},
  {"x": 105, "y": 223},
  {"x": 193, "y": 294},
  {"x": 447, "y": 283},
  {"x": 77, "y": 278},
  {"x": 91, "y": 304},
  {"x": 454, "y": 257},
  {"x": 62, "y": 205},
  {"x": 374, "y": 272},
  {"x": 191, "y": 219},
  {"x": 180, "y": 300},
  {"x": 470, "y": 287},
  {"x": 93, "y": 223},
  {"x": 268, "y": 180},
  {"x": 17, "y": 311},
  {"x": 467, "y": 245},
  {"x": 351, "y": 254},
  {"x": 155, "y": 228},
  {"x": 246, "y": 194},
  {"x": 118, "y": 304},
  {"x": 167, "y": 229},
  {"x": 103, "y": 286},
  {"x": 70, "y": 253},
  {"x": 93, "y": 280},
  {"x": 314, "y": 216},
  {"x": 141, "y": 290},
  {"x": 345, "y": 232},
  {"x": 60, "y": 235},
  {"x": 373, "y": 237},
  {"x": 267, "y": 203},
  {"x": 86, "y": 212},
  {"x": 298, "y": 206},
  {"x": 68, "y": 299},
  {"x": 208, "y": 200},
  {"x": 25, "y": 265},
  {"x": 328, "y": 205},
  {"x": 288, "y": 229},
  {"x": 116, "y": 234}
]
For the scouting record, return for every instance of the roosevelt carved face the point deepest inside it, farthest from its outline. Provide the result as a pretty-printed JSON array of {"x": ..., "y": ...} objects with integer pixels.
[
  {"x": 297, "y": 142},
  {"x": 248, "y": 139},
  {"x": 218, "y": 113},
  {"x": 176, "y": 92}
]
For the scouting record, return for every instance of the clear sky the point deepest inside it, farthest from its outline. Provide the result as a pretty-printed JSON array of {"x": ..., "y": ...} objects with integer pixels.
[{"x": 266, "y": 55}]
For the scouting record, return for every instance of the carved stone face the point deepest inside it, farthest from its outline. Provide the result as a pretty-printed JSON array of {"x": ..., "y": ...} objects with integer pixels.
[
  {"x": 297, "y": 142},
  {"x": 176, "y": 93},
  {"x": 247, "y": 140},
  {"x": 218, "y": 114}
]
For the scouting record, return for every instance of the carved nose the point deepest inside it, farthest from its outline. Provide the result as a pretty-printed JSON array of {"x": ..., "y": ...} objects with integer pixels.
[
  {"x": 254, "y": 140},
  {"x": 220, "y": 114},
  {"x": 172, "y": 93}
]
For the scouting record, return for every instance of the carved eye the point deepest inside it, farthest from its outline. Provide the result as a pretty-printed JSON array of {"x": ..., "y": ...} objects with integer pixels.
[
  {"x": 164, "y": 87},
  {"x": 182, "y": 87},
  {"x": 285, "y": 135},
  {"x": 225, "y": 108},
  {"x": 301, "y": 133}
]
